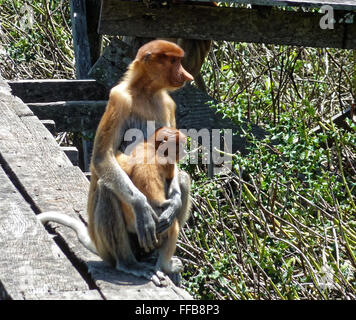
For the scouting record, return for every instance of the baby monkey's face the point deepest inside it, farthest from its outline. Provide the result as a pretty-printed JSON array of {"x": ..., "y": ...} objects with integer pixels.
[{"x": 170, "y": 143}]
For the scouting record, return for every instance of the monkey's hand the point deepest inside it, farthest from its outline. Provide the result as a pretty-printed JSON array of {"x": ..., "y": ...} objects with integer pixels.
[
  {"x": 171, "y": 208},
  {"x": 146, "y": 220}
]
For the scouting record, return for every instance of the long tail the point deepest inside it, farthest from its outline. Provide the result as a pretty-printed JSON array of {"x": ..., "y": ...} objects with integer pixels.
[{"x": 79, "y": 228}]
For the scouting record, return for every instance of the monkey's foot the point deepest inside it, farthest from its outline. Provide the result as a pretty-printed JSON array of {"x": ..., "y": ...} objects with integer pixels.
[
  {"x": 160, "y": 279},
  {"x": 146, "y": 271},
  {"x": 172, "y": 269},
  {"x": 175, "y": 265}
]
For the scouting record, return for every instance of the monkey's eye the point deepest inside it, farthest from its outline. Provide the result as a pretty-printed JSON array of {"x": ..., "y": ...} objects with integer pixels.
[
  {"x": 173, "y": 60},
  {"x": 147, "y": 56}
]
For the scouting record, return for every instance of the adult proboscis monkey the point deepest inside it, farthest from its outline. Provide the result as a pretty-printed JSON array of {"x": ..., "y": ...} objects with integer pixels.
[{"x": 141, "y": 96}]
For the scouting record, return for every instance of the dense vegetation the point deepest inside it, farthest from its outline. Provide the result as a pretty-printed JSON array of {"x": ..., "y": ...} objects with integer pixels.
[{"x": 281, "y": 224}]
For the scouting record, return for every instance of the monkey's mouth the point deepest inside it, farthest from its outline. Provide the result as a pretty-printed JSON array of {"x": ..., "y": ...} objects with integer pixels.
[{"x": 177, "y": 84}]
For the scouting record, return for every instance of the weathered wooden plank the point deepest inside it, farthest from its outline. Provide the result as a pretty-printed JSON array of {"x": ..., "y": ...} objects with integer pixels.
[
  {"x": 18, "y": 107},
  {"x": 31, "y": 264},
  {"x": 74, "y": 116},
  {"x": 46, "y": 90},
  {"x": 68, "y": 295},
  {"x": 72, "y": 154},
  {"x": 336, "y": 4},
  {"x": 130, "y": 292},
  {"x": 83, "y": 113},
  {"x": 259, "y": 25},
  {"x": 120, "y": 286},
  {"x": 44, "y": 171},
  {"x": 50, "y": 182},
  {"x": 50, "y": 125}
]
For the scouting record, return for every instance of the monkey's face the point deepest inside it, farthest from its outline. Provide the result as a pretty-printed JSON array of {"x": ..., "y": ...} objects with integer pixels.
[
  {"x": 162, "y": 63},
  {"x": 167, "y": 72},
  {"x": 177, "y": 75}
]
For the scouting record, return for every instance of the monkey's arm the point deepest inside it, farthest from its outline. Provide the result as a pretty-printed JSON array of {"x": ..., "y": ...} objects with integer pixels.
[
  {"x": 107, "y": 141},
  {"x": 173, "y": 204},
  {"x": 80, "y": 229}
]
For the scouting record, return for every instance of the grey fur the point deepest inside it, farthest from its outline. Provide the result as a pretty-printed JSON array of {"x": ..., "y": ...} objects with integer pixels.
[{"x": 80, "y": 229}]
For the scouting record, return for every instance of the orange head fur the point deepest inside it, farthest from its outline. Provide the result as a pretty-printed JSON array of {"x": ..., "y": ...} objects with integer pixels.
[
  {"x": 159, "y": 47},
  {"x": 158, "y": 66},
  {"x": 168, "y": 140}
]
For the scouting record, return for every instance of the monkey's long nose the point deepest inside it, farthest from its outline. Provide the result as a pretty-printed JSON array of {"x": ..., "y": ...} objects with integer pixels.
[{"x": 186, "y": 75}]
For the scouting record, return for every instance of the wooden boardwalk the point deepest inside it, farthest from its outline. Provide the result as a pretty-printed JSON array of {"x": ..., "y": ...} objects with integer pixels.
[{"x": 35, "y": 263}]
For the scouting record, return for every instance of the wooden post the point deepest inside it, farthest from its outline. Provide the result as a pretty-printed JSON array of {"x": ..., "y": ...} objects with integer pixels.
[
  {"x": 82, "y": 51},
  {"x": 95, "y": 39},
  {"x": 80, "y": 38}
]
